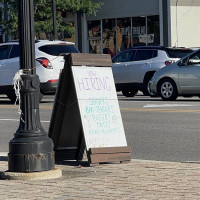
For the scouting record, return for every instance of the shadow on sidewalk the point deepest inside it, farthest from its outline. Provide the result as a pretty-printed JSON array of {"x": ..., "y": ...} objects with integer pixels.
[
  {"x": 64, "y": 162},
  {"x": 73, "y": 163}
]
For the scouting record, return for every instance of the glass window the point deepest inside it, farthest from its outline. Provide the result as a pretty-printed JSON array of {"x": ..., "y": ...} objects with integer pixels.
[
  {"x": 143, "y": 55},
  {"x": 139, "y": 31},
  {"x": 155, "y": 53},
  {"x": 56, "y": 50},
  {"x": 153, "y": 30},
  {"x": 94, "y": 35},
  {"x": 109, "y": 37},
  {"x": 178, "y": 53},
  {"x": 125, "y": 56},
  {"x": 194, "y": 59},
  {"x": 5, "y": 51},
  {"x": 14, "y": 52},
  {"x": 123, "y": 33}
]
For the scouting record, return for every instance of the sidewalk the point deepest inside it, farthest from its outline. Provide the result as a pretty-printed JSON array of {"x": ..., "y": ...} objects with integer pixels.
[{"x": 139, "y": 179}]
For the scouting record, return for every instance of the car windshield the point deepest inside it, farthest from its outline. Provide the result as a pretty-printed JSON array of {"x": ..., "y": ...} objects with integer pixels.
[
  {"x": 178, "y": 53},
  {"x": 56, "y": 50}
]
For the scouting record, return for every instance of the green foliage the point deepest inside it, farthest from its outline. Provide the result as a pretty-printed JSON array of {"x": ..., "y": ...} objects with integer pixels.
[{"x": 43, "y": 15}]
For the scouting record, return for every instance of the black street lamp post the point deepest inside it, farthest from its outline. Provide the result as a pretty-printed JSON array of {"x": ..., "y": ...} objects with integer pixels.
[{"x": 31, "y": 149}]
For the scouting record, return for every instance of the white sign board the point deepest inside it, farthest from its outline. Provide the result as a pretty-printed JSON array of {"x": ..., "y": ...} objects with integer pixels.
[{"x": 99, "y": 108}]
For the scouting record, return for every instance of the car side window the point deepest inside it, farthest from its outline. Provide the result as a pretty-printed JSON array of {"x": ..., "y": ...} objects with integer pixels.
[
  {"x": 126, "y": 56},
  {"x": 155, "y": 53},
  {"x": 14, "y": 52},
  {"x": 143, "y": 55},
  {"x": 194, "y": 59},
  {"x": 5, "y": 51}
]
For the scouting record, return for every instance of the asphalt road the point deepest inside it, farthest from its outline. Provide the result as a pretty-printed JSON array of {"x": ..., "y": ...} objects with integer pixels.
[{"x": 155, "y": 130}]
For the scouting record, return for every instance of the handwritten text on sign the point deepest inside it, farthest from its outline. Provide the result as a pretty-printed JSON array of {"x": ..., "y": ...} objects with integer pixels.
[{"x": 98, "y": 103}]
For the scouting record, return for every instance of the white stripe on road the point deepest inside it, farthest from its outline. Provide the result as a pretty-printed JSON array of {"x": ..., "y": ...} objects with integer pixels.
[
  {"x": 166, "y": 105},
  {"x": 17, "y": 120}
]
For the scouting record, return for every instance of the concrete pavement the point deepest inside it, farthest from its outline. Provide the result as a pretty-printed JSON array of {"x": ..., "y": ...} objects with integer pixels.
[{"x": 139, "y": 179}]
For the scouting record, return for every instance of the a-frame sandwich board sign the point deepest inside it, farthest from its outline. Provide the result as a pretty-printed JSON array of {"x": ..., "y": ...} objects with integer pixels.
[{"x": 86, "y": 113}]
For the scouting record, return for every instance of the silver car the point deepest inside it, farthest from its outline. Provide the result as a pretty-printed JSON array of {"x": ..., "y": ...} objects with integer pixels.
[
  {"x": 181, "y": 78},
  {"x": 133, "y": 68}
]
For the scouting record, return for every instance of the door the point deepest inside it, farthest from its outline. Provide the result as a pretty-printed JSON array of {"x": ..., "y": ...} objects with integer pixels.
[
  {"x": 142, "y": 64},
  {"x": 121, "y": 66},
  {"x": 189, "y": 75},
  {"x": 4, "y": 54},
  {"x": 10, "y": 65}
]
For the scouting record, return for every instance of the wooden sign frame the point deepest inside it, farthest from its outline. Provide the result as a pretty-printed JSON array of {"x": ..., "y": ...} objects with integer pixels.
[{"x": 66, "y": 128}]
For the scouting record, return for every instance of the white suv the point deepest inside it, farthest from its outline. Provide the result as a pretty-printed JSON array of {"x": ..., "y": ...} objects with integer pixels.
[
  {"x": 133, "y": 68},
  {"x": 49, "y": 62}
]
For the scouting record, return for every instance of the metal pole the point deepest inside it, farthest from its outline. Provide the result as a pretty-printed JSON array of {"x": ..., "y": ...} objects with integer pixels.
[
  {"x": 54, "y": 19},
  {"x": 79, "y": 27},
  {"x": 31, "y": 149}
]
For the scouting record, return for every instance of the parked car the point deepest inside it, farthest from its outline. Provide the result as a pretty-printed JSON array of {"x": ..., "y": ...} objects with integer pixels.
[
  {"x": 133, "y": 68},
  {"x": 49, "y": 62},
  {"x": 181, "y": 78}
]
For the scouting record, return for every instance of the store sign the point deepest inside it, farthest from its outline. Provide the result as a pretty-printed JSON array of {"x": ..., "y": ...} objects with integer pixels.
[{"x": 139, "y": 30}]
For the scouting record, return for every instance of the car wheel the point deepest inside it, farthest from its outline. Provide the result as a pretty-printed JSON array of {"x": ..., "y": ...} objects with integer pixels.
[
  {"x": 129, "y": 93},
  {"x": 167, "y": 90},
  {"x": 146, "y": 89}
]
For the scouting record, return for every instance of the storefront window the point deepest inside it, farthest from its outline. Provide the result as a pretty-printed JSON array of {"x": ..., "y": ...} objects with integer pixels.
[
  {"x": 123, "y": 33},
  {"x": 139, "y": 31},
  {"x": 153, "y": 30},
  {"x": 119, "y": 34},
  {"x": 109, "y": 37},
  {"x": 94, "y": 35}
]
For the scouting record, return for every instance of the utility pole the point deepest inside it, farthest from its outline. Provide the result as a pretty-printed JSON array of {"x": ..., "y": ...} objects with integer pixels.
[
  {"x": 54, "y": 19},
  {"x": 31, "y": 149}
]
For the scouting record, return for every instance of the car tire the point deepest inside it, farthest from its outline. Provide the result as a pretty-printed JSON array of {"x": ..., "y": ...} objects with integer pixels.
[
  {"x": 167, "y": 90},
  {"x": 146, "y": 90},
  {"x": 12, "y": 97},
  {"x": 129, "y": 93}
]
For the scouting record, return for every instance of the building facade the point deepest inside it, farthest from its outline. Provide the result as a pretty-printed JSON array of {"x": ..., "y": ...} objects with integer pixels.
[{"x": 122, "y": 24}]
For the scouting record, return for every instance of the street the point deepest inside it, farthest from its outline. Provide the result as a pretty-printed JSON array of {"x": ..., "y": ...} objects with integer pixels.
[{"x": 155, "y": 129}]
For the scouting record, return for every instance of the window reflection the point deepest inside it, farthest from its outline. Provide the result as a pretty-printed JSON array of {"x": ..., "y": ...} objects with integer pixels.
[
  {"x": 139, "y": 31},
  {"x": 123, "y": 31},
  {"x": 94, "y": 35},
  {"x": 109, "y": 37},
  {"x": 153, "y": 30}
]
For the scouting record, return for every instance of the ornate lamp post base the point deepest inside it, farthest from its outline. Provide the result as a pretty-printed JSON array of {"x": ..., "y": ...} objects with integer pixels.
[
  {"x": 32, "y": 161},
  {"x": 31, "y": 149}
]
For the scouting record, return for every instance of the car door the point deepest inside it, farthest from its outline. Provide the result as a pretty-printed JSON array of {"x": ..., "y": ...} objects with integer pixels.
[
  {"x": 11, "y": 65},
  {"x": 142, "y": 64},
  {"x": 4, "y": 54},
  {"x": 189, "y": 75},
  {"x": 121, "y": 66}
]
